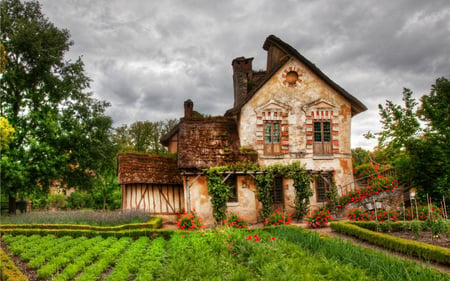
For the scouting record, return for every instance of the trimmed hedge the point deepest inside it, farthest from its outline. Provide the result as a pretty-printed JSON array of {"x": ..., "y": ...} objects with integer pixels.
[
  {"x": 154, "y": 223},
  {"x": 90, "y": 233},
  {"x": 412, "y": 248},
  {"x": 383, "y": 226},
  {"x": 9, "y": 271}
]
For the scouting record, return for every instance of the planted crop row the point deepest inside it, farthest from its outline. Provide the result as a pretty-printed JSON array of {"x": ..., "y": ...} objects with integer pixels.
[
  {"x": 281, "y": 253},
  {"x": 82, "y": 261},
  {"x": 129, "y": 262},
  {"x": 65, "y": 257},
  {"x": 106, "y": 259},
  {"x": 8, "y": 270}
]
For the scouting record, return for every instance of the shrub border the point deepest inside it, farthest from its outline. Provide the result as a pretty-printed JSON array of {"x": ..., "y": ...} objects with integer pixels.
[
  {"x": 9, "y": 271},
  {"x": 154, "y": 223},
  {"x": 412, "y": 248}
]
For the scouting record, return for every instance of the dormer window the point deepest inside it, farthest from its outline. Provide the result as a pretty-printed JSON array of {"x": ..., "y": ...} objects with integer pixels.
[{"x": 272, "y": 145}]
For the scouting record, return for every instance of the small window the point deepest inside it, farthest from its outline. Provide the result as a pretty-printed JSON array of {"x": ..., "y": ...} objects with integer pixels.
[
  {"x": 233, "y": 194},
  {"x": 322, "y": 138},
  {"x": 322, "y": 185},
  {"x": 277, "y": 194},
  {"x": 272, "y": 137}
]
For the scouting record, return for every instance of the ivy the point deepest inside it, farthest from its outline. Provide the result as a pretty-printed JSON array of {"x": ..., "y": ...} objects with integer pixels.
[{"x": 264, "y": 180}]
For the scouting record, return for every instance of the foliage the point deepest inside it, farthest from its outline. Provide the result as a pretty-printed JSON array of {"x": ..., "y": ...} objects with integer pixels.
[
  {"x": 9, "y": 271},
  {"x": 436, "y": 225},
  {"x": 382, "y": 184},
  {"x": 303, "y": 189},
  {"x": 61, "y": 130},
  {"x": 189, "y": 222},
  {"x": 278, "y": 218},
  {"x": 219, "y": 191},
  {"x": 385, "y": 215},
  {"x": 415, "y": 139},
  {"x": 88, "y": 217},
  {"x": 107, "y": 192},
  {"x": 357, "y": 214},
  {"x": 57, "y": 200},
  {"x": 6, "y": 133},
  {"x": 319, "y": 218},
  {"x": 230, "y": 254},
  {"x": 235, "y": 221},
  {"x": 80, "y": 200},
  {"x": 422, "y": 250},
  {"x": 421, "y": 213},
  {"x": 143, "y": 136}
]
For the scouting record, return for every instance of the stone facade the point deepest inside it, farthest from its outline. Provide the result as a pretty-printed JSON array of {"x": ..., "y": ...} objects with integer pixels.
[{"x": 291, "y": 112}]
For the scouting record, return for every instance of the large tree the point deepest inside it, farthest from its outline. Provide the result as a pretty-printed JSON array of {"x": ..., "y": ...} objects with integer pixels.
[
  {"x": 416, "y": 138},
  {"x": 61, "y": 132},
  {"x": 143, "y": 136}
]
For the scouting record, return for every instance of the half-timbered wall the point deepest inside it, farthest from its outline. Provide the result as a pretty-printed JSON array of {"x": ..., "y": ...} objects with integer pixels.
[{"x": 153, "y": 198}]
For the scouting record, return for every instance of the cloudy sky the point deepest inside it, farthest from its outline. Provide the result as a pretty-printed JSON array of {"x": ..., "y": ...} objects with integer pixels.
[{"x": 147, "y": 57}]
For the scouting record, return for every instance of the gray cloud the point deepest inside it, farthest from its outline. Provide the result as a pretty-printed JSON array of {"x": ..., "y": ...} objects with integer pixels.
[{"x": 147, "y": 57}]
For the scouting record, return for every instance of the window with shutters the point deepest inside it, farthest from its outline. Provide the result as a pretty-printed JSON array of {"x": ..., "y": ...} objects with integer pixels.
[
  {"x": 272, "y": 144},
  {"x": 322, "y": 138}
]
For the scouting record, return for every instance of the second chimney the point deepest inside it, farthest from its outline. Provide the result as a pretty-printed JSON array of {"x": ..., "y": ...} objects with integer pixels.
[{"x": 188, "y": 108}]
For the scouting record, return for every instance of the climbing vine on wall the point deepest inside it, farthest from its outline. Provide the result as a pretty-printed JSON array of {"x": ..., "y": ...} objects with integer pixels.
[{"x": 264, "y": 180}]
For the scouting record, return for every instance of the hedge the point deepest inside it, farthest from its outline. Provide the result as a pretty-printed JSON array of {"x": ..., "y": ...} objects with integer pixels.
[
  {"x": 9, "y": 271},
  {"x": 413, "y": 248},
  {"x": 154, "y": 223}
]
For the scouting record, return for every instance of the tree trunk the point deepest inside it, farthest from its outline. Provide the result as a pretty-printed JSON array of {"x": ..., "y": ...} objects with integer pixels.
[{"x": 11, "y": 204}]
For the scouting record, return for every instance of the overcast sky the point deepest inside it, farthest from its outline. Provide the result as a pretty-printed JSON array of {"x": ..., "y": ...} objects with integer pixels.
[{"x": 147, "y": 57}]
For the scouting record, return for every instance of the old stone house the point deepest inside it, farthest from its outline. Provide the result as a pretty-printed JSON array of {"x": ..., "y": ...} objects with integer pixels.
[{"x": 291, "y": 112}]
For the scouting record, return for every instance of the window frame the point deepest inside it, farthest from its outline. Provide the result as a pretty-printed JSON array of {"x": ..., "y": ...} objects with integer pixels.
[
  {"x": 273, "y": 145},
  {"x": 277, "y": 190},
  {"x": 232, "y": 181},
  {"x": 322, "y": 138},
  {"x": 326, "y": 185}
]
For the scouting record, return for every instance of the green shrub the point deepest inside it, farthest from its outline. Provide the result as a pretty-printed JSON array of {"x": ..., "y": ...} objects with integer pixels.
[
  {"x": 57, "y": 200},
  {"x": 422, "y": 250},
  {"x": 80, "y": 200}
]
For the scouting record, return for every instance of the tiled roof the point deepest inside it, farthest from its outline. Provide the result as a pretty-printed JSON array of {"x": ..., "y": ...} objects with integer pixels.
[{"x": 146, "y": 168}]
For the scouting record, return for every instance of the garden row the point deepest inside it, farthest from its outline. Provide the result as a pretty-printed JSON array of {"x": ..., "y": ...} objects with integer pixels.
[
  {"x": 223, "y": 253},
  {"x": 368, "y": 231}
]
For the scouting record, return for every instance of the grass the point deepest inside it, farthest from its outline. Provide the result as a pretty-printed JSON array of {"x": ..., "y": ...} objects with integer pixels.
[{"x": 87, "y": 217}]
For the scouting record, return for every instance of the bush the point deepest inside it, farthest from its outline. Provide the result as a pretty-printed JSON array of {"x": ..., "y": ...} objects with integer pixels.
[
  {"x": 319, "y": 218},
  {"x": 80, "y": 200},
  {"x": 386, "y": 215},
  {"x": 189, "y": 222},
  {"x": 421, "y": 213},
  {"x": 277, "y": 218},
  {"x": 234, "y": 221},
  {"x": 57, "y": 200},
  {"x": 357, "y": 214}
]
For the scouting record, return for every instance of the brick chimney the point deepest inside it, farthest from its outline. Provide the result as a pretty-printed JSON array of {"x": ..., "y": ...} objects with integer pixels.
[
  {"x": 188, "y": 109},
  {"x": 242, "y": 75}
]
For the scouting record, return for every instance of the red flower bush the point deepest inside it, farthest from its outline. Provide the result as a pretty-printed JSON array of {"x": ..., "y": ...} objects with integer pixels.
[
  {"x": 357, "y": 214},
  {"x": 385, "y": 215},
  {"x": 277, "y": 218},
  {"x": 319, "y": 218},
  {"x": 421, "y": 213},
  {"x": 234, "y": 221},
  {"x": 189, "y": 222}
]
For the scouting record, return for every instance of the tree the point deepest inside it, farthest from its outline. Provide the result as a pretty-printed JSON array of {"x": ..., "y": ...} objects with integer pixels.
[
  {"x": 143, "y": 136},
  {"x": 61, "y": 130},
  {"x": 416, "y": 139}
]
